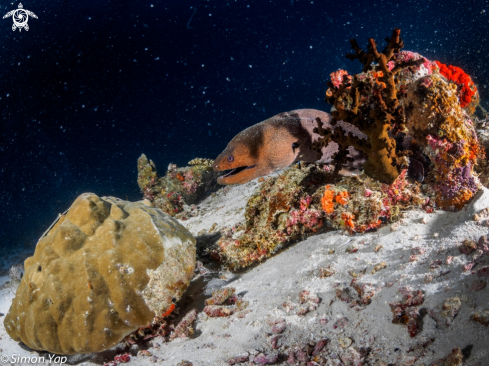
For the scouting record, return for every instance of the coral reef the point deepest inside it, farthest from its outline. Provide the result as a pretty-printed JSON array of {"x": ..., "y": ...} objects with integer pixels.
[
  {"x": 420, "y": 144},
  {"x": 444, "y": 133},
  {"x": 103, "y": 270},
  {"x": 284, "y": 209},
  {"x": 412, "y": 112},
  {"x": 359, "y": 204},
  {"x": 179, "y": 188}
]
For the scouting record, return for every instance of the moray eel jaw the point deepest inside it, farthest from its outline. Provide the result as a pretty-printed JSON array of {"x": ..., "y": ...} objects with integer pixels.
[{"x": 237, "y": 175}]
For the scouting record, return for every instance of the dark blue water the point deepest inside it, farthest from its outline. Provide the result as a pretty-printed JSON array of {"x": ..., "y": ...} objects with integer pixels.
[{"x": 93, "y": 84}]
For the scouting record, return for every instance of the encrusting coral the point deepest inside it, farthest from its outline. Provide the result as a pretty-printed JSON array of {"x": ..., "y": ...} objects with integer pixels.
[
  {"x": 179, "y": 188},
  {"x": 105, "y": 269}
]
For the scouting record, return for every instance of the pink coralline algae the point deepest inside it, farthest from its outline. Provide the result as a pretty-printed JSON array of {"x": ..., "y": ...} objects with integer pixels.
[
  {"x": 337, "y": 77},
  {"x": 310, "y": 218},
  {"x": 425, "y": 68}
]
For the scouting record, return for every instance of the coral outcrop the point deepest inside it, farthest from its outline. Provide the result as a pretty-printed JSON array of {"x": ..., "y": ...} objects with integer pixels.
[
  {"x": 284, "y": 209},
  {"x": 297, "y": 204},
  {"x": 179, "y": 188},
  {"x": 415, "y": 114},
  {"x": 444, "y": 133},
  {"x": 103, "y": 270}
]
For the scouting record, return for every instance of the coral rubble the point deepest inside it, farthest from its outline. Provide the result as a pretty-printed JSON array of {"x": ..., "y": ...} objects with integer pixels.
[
  {"x": 406, "y": 311},
  {"x": 103, "y": 270}
]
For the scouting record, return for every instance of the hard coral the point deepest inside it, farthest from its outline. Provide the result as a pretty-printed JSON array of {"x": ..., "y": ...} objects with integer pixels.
[{"x": 105, "y": 269}]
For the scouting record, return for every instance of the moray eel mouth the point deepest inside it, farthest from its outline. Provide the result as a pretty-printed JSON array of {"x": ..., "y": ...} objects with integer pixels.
[
  {"x": 237, "y": 171},
  {"x": 239, "y": 175}
]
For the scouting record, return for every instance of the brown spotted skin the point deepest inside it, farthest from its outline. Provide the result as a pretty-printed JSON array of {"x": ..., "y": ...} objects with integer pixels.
[{"x": 276, "y": 143}]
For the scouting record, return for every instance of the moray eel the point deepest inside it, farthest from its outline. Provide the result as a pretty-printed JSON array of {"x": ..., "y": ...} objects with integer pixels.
[{"x": 278, "y": 142}]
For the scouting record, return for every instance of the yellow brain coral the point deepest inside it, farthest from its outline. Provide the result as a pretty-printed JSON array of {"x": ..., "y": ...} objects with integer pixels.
[{"x": 105, "y": 269}]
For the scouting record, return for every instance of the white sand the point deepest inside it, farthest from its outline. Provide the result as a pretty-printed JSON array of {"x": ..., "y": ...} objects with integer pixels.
[{"x": 267, "y": 285}]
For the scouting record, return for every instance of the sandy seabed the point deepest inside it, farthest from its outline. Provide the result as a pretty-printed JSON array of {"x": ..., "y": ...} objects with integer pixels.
[{"x": 437, "y": 269}]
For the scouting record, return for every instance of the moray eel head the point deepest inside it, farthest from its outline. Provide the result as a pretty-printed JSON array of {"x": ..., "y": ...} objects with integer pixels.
[
  {"x": 236, "y": 159},
  {"x": 257, "y": 151}
]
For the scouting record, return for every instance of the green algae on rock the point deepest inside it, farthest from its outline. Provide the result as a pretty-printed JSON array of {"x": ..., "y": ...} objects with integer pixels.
[
  {"x": 179, "y": 187},
  {"x": 103, "y": 270}
]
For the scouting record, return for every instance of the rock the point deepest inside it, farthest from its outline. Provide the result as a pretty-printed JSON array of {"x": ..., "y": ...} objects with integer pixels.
[
  {"x": 445, "y": 315},
  {"x": 455, "y": 358},
  {"x": 345, "y": 342},
  {"x": 468, "y": 246},
  {"x": 481, "y": 316},
  {"x": 105, "y": 269},
  {"x": 406, "y": 311}
]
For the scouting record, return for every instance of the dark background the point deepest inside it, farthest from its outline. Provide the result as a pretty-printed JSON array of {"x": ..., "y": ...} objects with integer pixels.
[{"x": 93, "y": 84}]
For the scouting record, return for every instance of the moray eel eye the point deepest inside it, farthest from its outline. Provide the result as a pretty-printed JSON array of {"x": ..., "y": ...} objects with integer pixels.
[
  {"x": 230, "y": 159},
  {"x": 295, "y": 145}
]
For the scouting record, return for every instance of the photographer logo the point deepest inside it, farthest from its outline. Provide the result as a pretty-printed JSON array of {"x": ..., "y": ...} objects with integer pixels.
[{"x": 20, "y": 17}]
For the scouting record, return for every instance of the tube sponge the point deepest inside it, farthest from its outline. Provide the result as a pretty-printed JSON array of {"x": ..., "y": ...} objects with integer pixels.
[{"x": 105, "y": 269}]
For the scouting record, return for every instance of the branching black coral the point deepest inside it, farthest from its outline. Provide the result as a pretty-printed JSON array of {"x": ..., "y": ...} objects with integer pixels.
[{"x": 369, "y": 101}]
